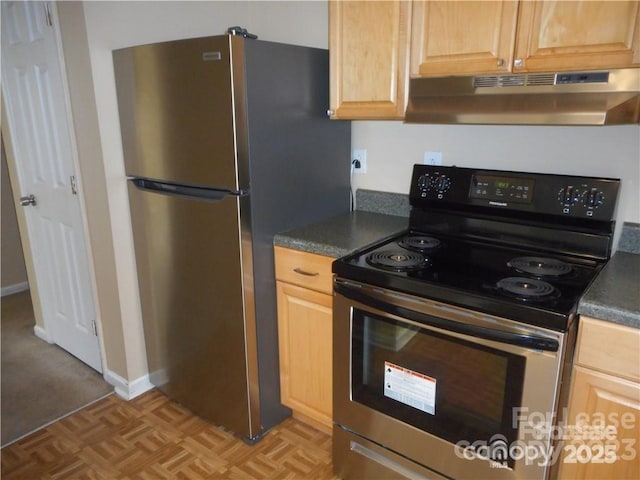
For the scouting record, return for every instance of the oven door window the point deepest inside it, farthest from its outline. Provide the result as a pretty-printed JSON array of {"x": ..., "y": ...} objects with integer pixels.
[{"x": 451, "y": 388}]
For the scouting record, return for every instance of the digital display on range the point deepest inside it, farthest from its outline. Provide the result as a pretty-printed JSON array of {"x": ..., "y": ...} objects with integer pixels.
[{"x": 502, "y": 189}]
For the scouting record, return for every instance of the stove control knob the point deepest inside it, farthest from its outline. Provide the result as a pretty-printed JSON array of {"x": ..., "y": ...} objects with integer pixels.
[
  {"x": 424, "y": 184},
  {"x": 568, "y": 196},
  {"x": 592, "y": 198},
  {"x": 442, "y": 183}
]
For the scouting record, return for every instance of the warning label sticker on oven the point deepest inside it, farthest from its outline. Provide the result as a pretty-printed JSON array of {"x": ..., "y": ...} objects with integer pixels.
[{"x": 409, "y": 387}]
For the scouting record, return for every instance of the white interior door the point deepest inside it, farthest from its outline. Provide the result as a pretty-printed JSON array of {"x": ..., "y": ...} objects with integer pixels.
[{"x": 43, "y": 149}]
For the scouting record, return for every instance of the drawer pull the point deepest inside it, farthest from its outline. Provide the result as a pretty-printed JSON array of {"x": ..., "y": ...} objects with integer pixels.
[{"x": 308, "y": 274}]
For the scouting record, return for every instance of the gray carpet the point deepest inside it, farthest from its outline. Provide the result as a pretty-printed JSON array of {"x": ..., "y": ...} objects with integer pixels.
[{"x": 40, "y": 382}]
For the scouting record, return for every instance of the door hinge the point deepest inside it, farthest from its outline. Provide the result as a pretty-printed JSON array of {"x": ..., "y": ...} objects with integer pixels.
[
  {"x": 74, "y": 185},
  {"x": 47, "y": 14},
  {"x": 95, "y": 328}
]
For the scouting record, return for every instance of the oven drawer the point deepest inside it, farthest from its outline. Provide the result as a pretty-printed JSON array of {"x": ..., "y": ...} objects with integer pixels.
[
  {"x": 357, "y": 458},
  {"x": 304, "y": 269}
]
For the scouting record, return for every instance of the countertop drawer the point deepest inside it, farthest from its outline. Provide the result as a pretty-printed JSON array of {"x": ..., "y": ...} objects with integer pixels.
[
  {"x": 609, "y": 347},
  {"x": 304, "y": 269}
]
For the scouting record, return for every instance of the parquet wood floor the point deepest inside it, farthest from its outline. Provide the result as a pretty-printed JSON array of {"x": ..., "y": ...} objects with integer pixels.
[{"x": 152, "y": 438}]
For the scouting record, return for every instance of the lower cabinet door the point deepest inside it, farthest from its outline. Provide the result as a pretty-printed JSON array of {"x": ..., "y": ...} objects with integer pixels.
[
  {"x": 305, "y": 341},
  {"x": 604, "y": 412}
]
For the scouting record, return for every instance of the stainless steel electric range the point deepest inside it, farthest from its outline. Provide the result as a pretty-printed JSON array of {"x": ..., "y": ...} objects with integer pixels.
[{"x": 453, "y": 341}]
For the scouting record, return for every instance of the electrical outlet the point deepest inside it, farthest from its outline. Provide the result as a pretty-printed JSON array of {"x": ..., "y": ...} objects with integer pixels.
[
  {"x": 433, "y": 158},
  {"x": 360, "y": 158}
]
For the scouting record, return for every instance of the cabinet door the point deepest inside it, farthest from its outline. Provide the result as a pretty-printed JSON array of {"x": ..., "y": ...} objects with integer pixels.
[
  {"x": 596, "y": 396},
  {"x": 462, "y": 37},
  {"x": 562, "y": 35},
  {"x": 369, "y": 50},
  {"x": 305, "y": 341}
]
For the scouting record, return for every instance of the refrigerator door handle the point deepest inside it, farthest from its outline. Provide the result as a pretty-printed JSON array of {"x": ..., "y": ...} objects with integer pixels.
[{"x": 201, "y": 193}]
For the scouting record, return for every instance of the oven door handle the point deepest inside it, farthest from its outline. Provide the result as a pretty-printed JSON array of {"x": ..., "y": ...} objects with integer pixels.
[{"x": 521, "y": 340}]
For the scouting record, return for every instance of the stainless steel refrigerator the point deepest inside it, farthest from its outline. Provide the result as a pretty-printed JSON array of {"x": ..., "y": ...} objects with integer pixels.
[{"x": 226, "y": 142}]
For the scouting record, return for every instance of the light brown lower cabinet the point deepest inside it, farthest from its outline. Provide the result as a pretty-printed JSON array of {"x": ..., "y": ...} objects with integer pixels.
[
  {"x": 305, "y": 316},
  {"x": 604, "y": 405}
]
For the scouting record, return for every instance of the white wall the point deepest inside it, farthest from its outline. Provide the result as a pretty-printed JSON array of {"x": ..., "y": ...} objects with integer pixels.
[{"x": 392, "y": 147}]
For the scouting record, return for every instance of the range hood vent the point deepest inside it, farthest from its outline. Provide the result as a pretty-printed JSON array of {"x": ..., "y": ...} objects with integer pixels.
[
  {"x": 514, "y": 80},
  {"x": 572, "y": 98}
]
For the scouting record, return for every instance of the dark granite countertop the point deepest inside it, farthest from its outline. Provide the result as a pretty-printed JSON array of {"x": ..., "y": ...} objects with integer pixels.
[
  {"x": 630, "y": 238},
  {"x": 338, "y": 236},
  {"x": 615, "y": 293}
]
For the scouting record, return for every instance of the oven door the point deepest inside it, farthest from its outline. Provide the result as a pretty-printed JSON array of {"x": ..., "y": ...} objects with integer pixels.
[{"x": 460, "y": 392}]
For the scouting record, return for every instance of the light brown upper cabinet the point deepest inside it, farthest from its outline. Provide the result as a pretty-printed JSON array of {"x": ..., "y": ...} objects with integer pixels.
[
  {"x": 369, "y": 58},
  {"x": 563, "y": 35},
  {"x": 459, "y": 37}
]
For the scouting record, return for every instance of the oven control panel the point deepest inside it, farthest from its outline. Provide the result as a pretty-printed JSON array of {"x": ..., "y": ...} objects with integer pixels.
[{"x": 573, "y": 196}]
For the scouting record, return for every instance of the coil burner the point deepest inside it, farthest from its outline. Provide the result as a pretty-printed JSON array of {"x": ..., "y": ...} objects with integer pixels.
[
  {"x": 540, "y": 266},
  {"x": 527, "y": 288},
  {"x": 420, "y": 243},
  {"x": 398, "y": 260}
]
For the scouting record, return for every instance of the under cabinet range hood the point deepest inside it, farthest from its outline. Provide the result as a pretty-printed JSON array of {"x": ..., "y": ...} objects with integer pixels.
[{"x": 609, "y": 97}]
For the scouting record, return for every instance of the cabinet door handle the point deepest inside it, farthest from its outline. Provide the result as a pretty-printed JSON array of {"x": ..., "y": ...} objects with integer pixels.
[{"x": 308, "y": 274}]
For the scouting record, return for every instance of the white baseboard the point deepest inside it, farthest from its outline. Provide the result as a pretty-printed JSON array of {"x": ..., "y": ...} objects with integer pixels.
[
  {"x": 15, "y": 288},
  {"x": 125, "y": 389},
  {"x": 42, "y": 334}
]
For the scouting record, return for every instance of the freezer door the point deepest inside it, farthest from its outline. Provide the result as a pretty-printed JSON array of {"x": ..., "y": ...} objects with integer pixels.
[
  {"x": 176, "y": 111},
  {"x": 189, "y": 259}
]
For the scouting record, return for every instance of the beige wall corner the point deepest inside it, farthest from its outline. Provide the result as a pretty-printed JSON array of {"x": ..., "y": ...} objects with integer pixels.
[{"x": 126, "y": 362}]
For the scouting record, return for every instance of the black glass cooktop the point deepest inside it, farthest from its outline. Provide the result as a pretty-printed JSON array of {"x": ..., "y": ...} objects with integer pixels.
[{"x": 521, "y": 284}]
